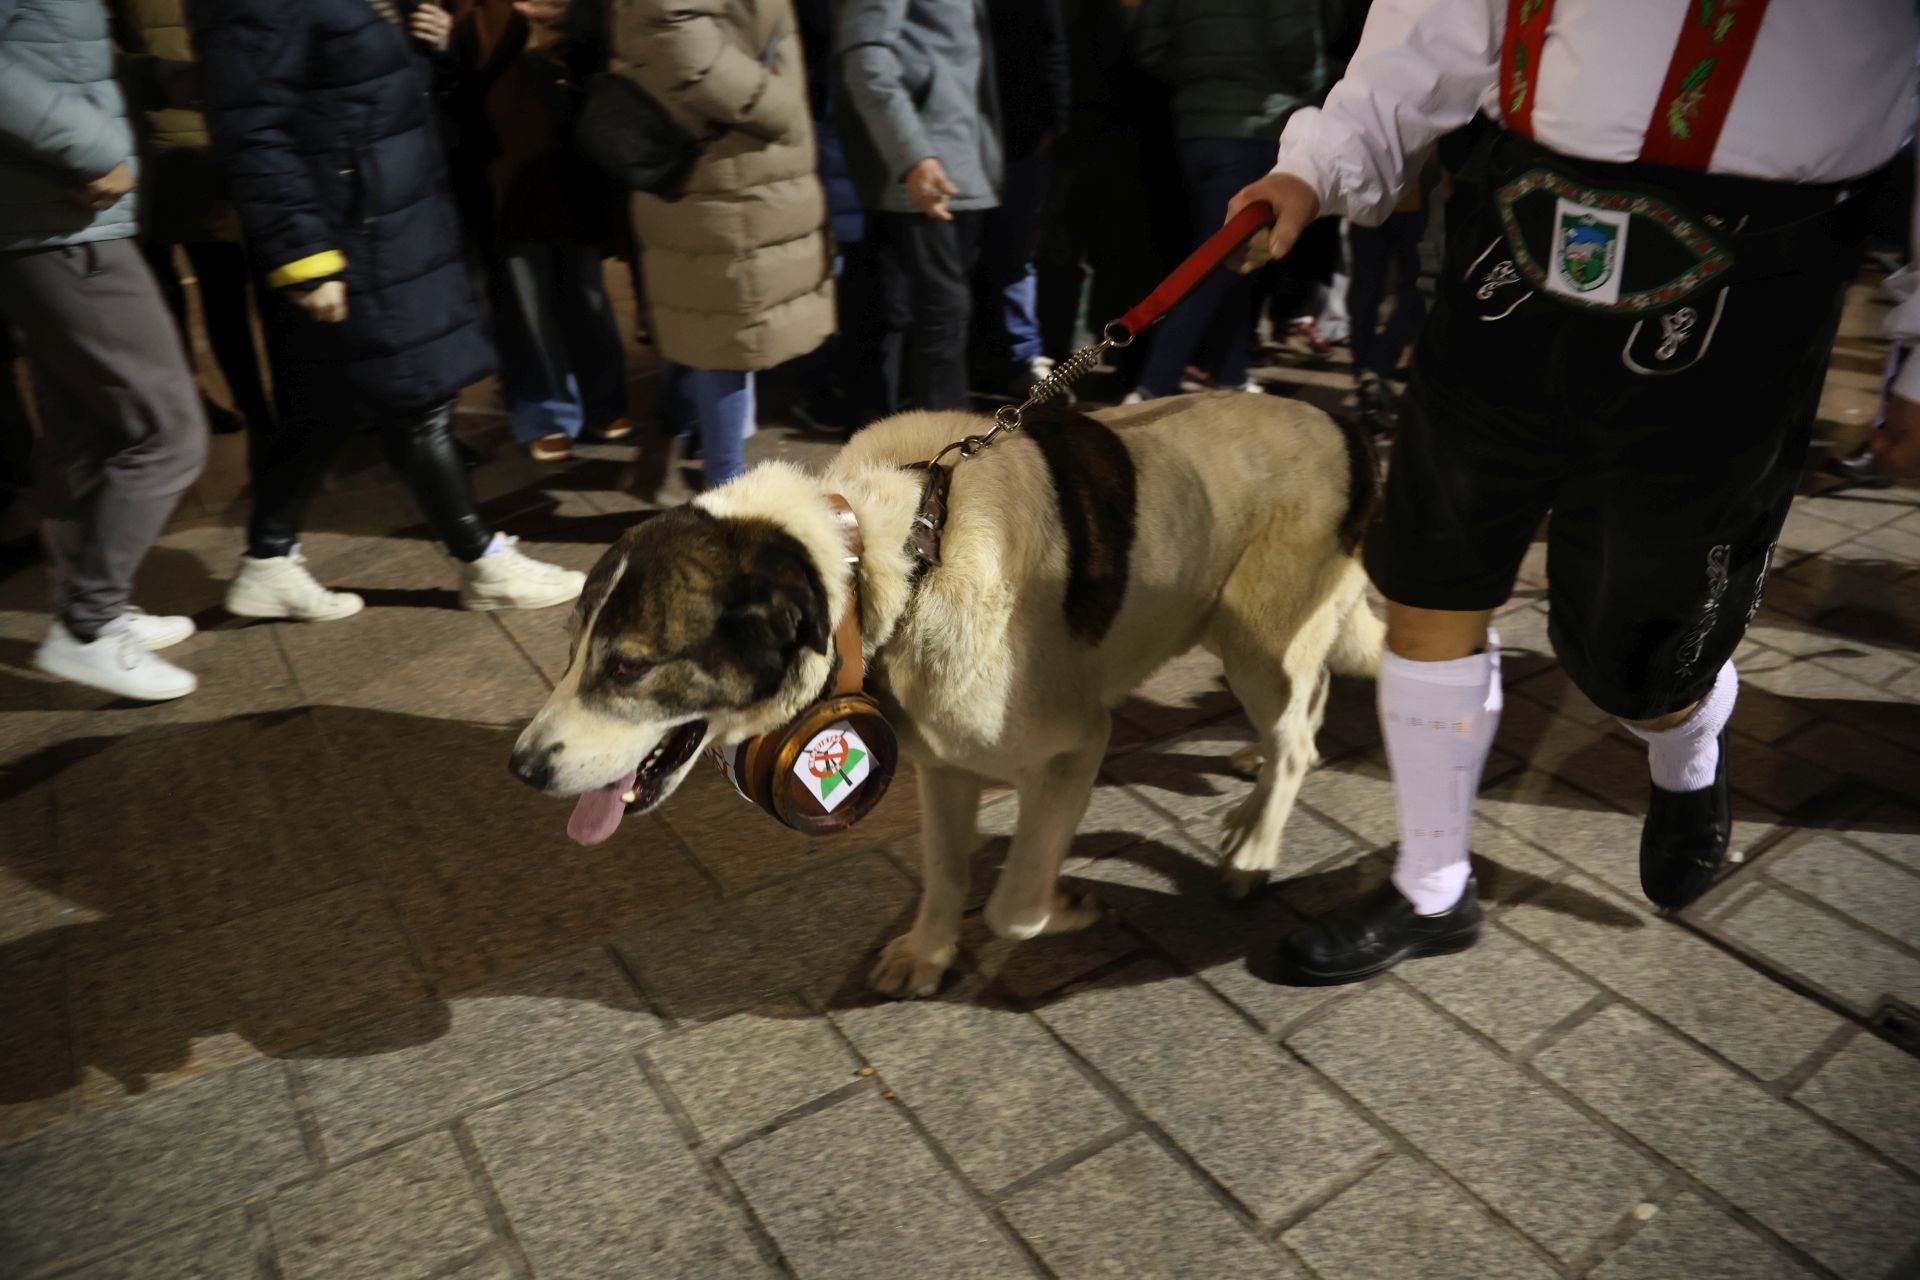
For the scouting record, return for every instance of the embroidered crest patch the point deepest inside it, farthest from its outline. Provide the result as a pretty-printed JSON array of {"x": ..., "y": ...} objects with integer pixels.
[{"x": 1588, "y": 246}]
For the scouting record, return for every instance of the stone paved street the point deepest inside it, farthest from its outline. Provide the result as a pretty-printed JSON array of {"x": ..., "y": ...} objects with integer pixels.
[{"x": 297, "y": 984}]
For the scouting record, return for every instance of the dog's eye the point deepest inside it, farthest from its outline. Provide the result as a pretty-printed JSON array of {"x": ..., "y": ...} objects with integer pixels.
[{"x": 628, "y": 670}]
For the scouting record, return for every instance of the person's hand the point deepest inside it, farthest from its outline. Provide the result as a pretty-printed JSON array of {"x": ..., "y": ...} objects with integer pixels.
[
  {"x": 326, "y": 303},
  {"x": 1294, "y": 205},
  {"x": 106, "y": 190},
  {"x": 179, "y": 82},
  {"x": 1896, "y": 445},
  {"x": 930, "y": 189},
  {"x": 432, "y": 26}
]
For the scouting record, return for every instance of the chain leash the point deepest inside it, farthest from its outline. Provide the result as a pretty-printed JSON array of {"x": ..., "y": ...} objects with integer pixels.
[{"x": 1008, "y": 417}]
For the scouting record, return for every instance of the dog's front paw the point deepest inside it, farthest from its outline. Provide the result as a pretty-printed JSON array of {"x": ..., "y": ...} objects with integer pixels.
[{"x": 903, "y": 972}]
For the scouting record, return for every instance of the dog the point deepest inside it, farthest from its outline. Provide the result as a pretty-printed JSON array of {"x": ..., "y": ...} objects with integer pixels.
[{"x": 1078, "y": 555}]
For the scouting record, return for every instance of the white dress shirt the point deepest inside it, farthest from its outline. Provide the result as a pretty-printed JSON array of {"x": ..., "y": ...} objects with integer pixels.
[{"x": 1828, "y": 94}]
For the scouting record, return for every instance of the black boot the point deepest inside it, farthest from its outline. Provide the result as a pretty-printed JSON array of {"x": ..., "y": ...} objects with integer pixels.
[
  {"x": 1374, "y": 934},
  {"x": 1685, "y": 839}
]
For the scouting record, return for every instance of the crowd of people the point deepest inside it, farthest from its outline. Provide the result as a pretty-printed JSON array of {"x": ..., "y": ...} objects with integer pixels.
[{"x": 901, "y": 202}]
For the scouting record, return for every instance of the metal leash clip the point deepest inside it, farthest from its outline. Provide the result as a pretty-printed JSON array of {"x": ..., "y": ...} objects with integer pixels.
[{"x": 1010, "y": 417}]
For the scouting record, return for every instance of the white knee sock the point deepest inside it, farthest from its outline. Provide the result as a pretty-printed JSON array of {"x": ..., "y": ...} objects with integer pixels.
[
  {"x": 1438, "y": 719},
  {"x": 1684, "y": 757}
]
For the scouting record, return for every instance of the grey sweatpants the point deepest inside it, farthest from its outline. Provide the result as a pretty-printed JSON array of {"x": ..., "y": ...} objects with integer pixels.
[{"x": 124, "y": 433}]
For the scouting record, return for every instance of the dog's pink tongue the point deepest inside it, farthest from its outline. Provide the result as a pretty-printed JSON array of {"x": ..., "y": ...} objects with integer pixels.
[{"x": 597, "y": 814}]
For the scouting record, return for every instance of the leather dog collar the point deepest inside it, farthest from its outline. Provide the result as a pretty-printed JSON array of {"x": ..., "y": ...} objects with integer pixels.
[{"x": 850, "y": 668}]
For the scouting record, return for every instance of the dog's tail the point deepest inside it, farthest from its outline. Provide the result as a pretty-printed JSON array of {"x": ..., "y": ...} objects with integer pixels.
[{"x": 1363, "y": 484}]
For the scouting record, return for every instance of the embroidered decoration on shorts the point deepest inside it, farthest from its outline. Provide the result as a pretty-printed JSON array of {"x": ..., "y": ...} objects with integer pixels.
[
  {"x": 1498, "y": 276},
  {"x": 1673, "y": 341},
  {"x": 1585, "y": 255},
  {"x": 1696, "y": 638},
  {"x": 1675, "y": 327},
  {"x": 1760, "y": 583}
]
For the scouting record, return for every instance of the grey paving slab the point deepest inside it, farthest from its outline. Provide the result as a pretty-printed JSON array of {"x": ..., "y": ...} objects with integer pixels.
[
  {"x": 1131, "y": 1210},
  {"x": 1250, "y": 1115},
  {"x": 597, "y": 1181},
  {"x": 1708, "y": 994},
  {"x": 815, "y": 935},
  {"x": 1481, "y": 1118},
  {"x": 1892, "y": 831},
  {"x": 852, "y": 1193},
  {"x": 742, "y": 1071},
  {"x": 219, "y": 1248},
  {"x": 401, "y": 1213},
  {"x": 139, "y": 1168},
  {"x": 1189, "y": 776},
  {"x": 1502, "y": 988},
  {"x": 1405, "y": 1222},
  {"x": 1846, "y": 1208},
  {"x": 1803, "y": 760},
  {"x": 1693, "y": 1239},
  {"x": 995, "y": 1090},
  {"x": 1872, "y": 1090},
  {"x": 420, "y": 1067},
  {"x": 1854, "y": 966},
  {"x": 1878, "y": 894},
  {"x": 1576, "y": 828}
]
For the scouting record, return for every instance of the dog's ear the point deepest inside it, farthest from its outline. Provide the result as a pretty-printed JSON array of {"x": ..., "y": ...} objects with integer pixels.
[{"x": 776, "y": 617}]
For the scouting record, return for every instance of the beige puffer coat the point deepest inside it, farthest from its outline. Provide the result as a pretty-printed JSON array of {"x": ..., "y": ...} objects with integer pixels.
[{"x": 739, "y": 270}]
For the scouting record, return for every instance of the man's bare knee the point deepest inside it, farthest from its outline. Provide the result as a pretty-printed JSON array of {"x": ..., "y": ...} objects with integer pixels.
[{"x": 1436, "y": 635}]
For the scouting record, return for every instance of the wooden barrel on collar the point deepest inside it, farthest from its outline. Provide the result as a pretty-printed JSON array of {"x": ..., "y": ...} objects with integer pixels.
[{"x": 822, "y": 773}]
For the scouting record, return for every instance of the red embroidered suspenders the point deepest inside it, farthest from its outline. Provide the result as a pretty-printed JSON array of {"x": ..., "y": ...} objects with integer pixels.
[
  {"x": 1715, "y": 43},
  {"x": 1520, "y": 61},
  {"x": 1716, "y": 40}
]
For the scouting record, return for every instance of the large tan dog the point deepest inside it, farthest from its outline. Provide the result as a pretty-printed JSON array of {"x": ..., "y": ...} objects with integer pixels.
[{"x": 1077, "y": 557}]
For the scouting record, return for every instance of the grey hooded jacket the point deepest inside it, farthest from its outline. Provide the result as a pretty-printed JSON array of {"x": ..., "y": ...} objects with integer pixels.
[
  {"x": 63, "y": 123},
  {"x": 918, "y": 75}
]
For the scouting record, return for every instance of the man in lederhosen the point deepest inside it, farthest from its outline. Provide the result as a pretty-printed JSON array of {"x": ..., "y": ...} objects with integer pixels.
[{"x": 1643, "y": 280}]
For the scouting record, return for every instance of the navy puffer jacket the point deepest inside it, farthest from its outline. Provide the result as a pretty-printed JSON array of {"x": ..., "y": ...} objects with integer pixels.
[{"x": 322, "y": 112}]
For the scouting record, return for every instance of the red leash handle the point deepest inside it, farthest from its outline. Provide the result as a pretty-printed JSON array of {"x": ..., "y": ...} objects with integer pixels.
[{"x": 1189, "y": 273}]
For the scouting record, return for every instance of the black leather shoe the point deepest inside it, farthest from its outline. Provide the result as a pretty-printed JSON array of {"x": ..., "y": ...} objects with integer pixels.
[
  {"x": 1372, "y": 935},
  {"x": 1857, "y": 469},
  {"x": 1685, "y": 839}
]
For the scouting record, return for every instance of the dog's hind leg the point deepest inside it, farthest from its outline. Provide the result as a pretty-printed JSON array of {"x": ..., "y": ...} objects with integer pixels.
[
  {"x": 1273, "y": 632},
  {"x": 1027, "y": 899},
  {"x": 914, "y": 963},
  {"x": 1362, "y": 636}
]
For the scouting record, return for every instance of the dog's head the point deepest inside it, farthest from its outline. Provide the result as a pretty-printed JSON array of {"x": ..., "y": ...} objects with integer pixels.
[{"x": 693, "y": 627}]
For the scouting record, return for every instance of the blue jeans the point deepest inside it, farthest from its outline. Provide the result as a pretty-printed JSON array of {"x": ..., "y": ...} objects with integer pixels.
[
  {"x": 1007, "y": 323},
  {"x": 561, "y": 364},
  {"x": 718, "y": 403},
  {"x": 1217, "y": 312}
]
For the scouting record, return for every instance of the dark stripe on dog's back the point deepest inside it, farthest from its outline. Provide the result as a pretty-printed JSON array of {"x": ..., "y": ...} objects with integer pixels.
[
  {"x": 1363, "y": 483},
  {"x": 1094, "y": 483}
]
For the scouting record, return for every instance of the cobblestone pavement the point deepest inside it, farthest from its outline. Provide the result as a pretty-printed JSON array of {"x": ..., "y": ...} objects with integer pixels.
[{"x": 295, "y": 982}]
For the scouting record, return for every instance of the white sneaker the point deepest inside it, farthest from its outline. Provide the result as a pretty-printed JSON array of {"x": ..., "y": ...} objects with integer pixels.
[
  {"x": 1138, "y": 396},
  {"x": 116, "y": 661},
  {"x": 506, "y": 579},
  {"x": 281, "y": 587},
  {"x": 158, "y": 632}
]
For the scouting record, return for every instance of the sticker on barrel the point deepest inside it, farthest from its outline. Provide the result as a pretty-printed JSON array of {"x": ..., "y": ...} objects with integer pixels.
[{"x": 834, "y": 764}]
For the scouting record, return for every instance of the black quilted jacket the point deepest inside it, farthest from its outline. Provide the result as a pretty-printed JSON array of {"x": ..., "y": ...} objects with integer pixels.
[{"x": 323, "y": 115}]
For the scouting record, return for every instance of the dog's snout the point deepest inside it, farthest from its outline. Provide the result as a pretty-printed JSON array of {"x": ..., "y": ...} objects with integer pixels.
[{"x": 534, "y": 765}]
